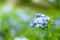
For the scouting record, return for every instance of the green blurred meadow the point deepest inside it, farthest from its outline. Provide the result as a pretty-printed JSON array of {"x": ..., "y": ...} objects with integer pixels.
[{"x": 16, "y": 15}]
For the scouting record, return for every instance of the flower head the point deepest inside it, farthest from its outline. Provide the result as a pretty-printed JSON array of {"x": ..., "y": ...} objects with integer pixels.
[{"x": 40, "y": 21}]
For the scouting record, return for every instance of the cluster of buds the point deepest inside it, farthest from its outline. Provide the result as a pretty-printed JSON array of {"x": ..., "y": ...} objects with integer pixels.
[{"x": 40, "y": 21}]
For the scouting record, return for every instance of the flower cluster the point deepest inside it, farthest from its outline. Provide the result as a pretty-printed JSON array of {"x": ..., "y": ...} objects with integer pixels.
[{"x": 40, "y": 21}]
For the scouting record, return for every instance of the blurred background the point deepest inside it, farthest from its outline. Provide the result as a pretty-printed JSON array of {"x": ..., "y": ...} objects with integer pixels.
[{"x": 16, "y": 15}]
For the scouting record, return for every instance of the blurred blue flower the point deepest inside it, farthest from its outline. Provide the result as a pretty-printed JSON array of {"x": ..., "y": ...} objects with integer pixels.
[
  {"x": 38, "y": 15},
  {"x": 1, "y": 38},
  {"x": 21, "y": 38},
  {"x": 40, "y": 20},
  {"x": 52, "y": 1},
  {"x": 57, "y": 22},
  {"x": 32, "y": 24},
  {"x": 22, "y": 14},
  {"x": 7, "y": 8}
]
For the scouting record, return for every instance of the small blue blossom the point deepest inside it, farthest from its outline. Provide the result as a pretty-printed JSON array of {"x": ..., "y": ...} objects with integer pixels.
[
  {"x": 32, "y": 24},
  {"x": 40, "y": 21},
  {"x": 38, "y": 15}
]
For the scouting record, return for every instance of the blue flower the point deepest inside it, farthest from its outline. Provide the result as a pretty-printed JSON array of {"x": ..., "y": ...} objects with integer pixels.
[
  {"x": 32, "y": 24},
  {"x": 40, "y": 20},
  {"x": 43, "y": 24},
  {"x": 38, "y": 15}
]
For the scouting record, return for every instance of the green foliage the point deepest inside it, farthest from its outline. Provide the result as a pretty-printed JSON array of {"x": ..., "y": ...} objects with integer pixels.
[{"x": 11, "y": 21}]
